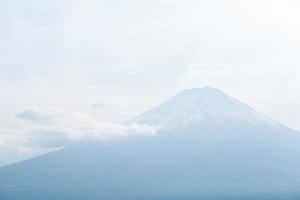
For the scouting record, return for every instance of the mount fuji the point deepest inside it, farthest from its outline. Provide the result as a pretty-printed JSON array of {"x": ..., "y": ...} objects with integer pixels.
[
  {"x": 204, "y": 108},
  {"x": 209, "y": 146}
]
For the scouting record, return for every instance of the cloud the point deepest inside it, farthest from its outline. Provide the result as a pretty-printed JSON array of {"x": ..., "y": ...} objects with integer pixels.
[
  {"x": 38, "y": 130},
  {"x": 77, "y": 125},
  {"x": 38, "y": 115}
]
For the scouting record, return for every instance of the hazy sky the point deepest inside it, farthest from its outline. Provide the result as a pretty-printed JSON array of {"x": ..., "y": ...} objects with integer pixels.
[{"x": 109, "y": 60}]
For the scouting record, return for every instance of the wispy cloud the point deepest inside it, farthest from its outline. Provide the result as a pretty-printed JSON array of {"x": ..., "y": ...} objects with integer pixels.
[{"x": 37, "y": 130}]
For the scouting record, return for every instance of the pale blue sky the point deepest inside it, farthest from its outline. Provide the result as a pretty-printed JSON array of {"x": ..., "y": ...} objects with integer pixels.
[{"x": 128, "y": 55}]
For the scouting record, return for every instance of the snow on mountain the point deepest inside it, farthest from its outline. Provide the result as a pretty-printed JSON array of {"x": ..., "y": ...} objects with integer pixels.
[{"x": 203, "y": 107}]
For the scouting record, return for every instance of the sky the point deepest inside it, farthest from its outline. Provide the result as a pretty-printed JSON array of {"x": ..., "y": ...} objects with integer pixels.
[{"x": 68, "y": 66}]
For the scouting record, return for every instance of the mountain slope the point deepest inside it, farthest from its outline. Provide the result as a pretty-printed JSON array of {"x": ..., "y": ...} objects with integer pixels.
[{"x": 210, "y": 147}]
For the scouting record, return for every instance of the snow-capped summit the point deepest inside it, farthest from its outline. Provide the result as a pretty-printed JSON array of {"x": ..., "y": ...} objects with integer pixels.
[{"x": 202, "y": 108}]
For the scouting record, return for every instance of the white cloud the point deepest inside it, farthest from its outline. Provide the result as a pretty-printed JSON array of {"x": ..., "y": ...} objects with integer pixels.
[{"x": 41, "y": 129}]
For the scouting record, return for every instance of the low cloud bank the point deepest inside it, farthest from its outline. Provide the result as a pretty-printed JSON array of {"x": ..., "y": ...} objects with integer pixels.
[{"x": 37, "y": 130}]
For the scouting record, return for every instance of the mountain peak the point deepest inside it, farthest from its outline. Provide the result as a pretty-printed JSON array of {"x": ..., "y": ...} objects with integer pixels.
[
  {"x": 203, "y": 89},
  {"x": 201, "y": 108},
  {"x": 196, "y": 93}
]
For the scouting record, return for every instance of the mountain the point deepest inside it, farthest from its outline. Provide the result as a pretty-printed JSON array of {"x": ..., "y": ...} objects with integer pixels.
[
  {"x": 204, "y": 108},
  {"x": 209, "y": 146}
]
